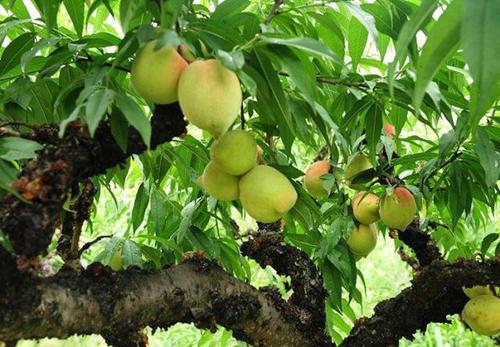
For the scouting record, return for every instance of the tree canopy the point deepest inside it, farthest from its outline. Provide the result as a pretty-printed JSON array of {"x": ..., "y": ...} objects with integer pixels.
[{"x": 395, "y": 98}]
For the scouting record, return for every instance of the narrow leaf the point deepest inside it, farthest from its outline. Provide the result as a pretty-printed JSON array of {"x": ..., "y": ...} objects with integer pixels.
[
  {"x": 481, "y": 46},
  {"x": 135, "y": 116},
  {"x": 96, "y": 107},
  {"x": 76, "y": 11},
  {"x": 408, "y": 34},
  {"x": 442, "y": 42}
]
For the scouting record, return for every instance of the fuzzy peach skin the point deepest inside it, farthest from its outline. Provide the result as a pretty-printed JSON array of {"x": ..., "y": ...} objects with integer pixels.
[
  {"x": 266, "y": 194},
  {"x": 210, "y": 96},
  {"x": 312, "y": 178},
  {"x": 155, "y": 74},
  {"x": 365, "y": 207},
  {"x": 362, "y": 240},
  {"x": 397, "y": 210}
]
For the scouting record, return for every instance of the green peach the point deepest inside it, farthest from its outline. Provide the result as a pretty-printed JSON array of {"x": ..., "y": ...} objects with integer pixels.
[{"x": 266, "y": 194}]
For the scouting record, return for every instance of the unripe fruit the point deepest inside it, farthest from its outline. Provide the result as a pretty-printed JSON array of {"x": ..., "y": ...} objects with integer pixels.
[
  {"x": 390, "y": 130},
  {"x": 218, "y": 183},
  {"x": 477, "y": 290},
  {"x": 235, "y": 152},
  {"x": 155, "y": 74},
  {"x": 357, "y": 165},
  {"x": 482, "y": 314},
  {"x": 397, "y": 210},
  {"x": 362, "y": 240},
  {"x": 312, "y": 179},
  {"x": 116, "y": 262},
  {"x": 266, "y": 194},
  {"x": 365, "y": 207},
  {"x": 210, "y": 96}
]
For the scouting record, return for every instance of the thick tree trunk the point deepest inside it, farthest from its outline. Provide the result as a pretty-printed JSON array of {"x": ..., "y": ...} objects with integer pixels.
[{"x": 116, "y": 304}]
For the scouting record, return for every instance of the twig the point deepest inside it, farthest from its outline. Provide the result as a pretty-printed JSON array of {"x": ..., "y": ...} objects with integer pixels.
[
  {"x": 334, "y": 81},
  {"x": 90, "y": 59},
  {"x": 274, "y": 11},
  {"x": 412, "y": 262},
  {"x": 445, "y": 163},
  {"x": 93, "y": 242},
  {"x": 9, "y": 132}
]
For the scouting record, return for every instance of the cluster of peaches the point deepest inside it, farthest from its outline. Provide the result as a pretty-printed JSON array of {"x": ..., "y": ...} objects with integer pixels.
[
  {"x": 396, "y": 207},
  {"x": 210, "y": 98}
]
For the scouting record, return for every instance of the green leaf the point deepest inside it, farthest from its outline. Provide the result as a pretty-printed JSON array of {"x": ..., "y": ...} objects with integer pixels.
[
  {"x": 201, "y": 241},
  {"x": 15, "y": 148},
  {"x": 481, "y": 46},
  {"x": 140, "y": 204},
  {"x": 135, "y": 116},
  {"x": 357, "y": 38},
  {"x": 111, "y": 247},
  {"x": 76, "y": 11},
  {"x": 301, "y": 72},
  {"x": 488, "y": 157},
  {"x": 12, "y": 54},
  {"x": 43, "y": 43},
  {"x": 305, "y": 44},
  {"x": 446, "y": 143},
  {"x": 119, "y": 128},
  {"x": 457, "y": 192},
  {"x": 373, "y": 127},
  {"x": 131, "y": 254},
  {"x": 487, "y": 241},
  {"x": 441, "y": 43},
  {"x": 168, "y": 243},
  {"x": 229, "y": 8},
  {"x": 8, "y": 174},
  {"x": 365, "y": 18},
  {"x": 407, "y": 35},
  {"x": 43, "y": 94},
  {"x": 6, "y": 25},
  {"x": 49, "y": 9},
  {"x": 130, "y": 10},
  {"x": 275, "y": 98},
  {"x": 333, "y": 283},
  {"x": 96, "y": 107},
  {"x": 232, "y": 60}
]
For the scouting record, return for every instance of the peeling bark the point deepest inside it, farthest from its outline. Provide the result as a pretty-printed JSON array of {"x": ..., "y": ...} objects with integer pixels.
[
  {"x": 115, "y": 304},
  {"x": 435, "y": 293}
]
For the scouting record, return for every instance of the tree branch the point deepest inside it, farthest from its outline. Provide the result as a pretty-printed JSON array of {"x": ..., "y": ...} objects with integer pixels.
[
  {"x": 119, "y": 305},
  {"x": 307, "y": 302},
  {"x": 274, "y": 11},
  {"x": 69, "y": 242},
  {"x": 435, "y": 293},
  {"x": 46, "y": 180},
  {"x": 420, "y": 242}
]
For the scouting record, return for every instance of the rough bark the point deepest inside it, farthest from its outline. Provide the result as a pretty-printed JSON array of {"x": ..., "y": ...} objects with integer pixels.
[
  {"x": 307, "y": 304},
  {"x": 118, "y": 305},
  {"x": 421, "y": 243},
  {"x": 434, "y": 294},
  {"x": 45, "y": 181}
]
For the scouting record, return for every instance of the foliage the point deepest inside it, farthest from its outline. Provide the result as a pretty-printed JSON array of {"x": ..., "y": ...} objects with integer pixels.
[{"x": 316, "y": 75}]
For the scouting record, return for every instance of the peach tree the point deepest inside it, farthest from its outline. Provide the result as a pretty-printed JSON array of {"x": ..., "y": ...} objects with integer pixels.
[{"x": 290, "y": 134}]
